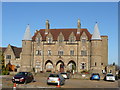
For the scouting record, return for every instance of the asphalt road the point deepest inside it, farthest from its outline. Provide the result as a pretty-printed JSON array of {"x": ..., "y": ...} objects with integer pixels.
[{"x": 69, "y": 83}]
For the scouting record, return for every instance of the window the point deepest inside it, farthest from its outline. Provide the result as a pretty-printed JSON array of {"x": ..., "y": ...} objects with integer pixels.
[
  {"x": 60, "y": 52},
  {"x": 49, "y": 40},
  {"x": 49, "y": 52},
  {"x": 71, "y": 52},
  {"x": 83, "y": 65},
  {"x": 101, "y": 63},
  {"x": 60, "y": 39},
  {"x": 83, "y": 52},
  {"x": 71, "y": 39},
  {"x": 8, "y": 56},
  {"x": 38, "y": 40},
  {"x": 83, "y": 40},
  {"x": 38, "y": 52},
  {"x": 95, "y": 64},
  {"x": 49, "y": 66},
  {"x": 37, "y": 64}
]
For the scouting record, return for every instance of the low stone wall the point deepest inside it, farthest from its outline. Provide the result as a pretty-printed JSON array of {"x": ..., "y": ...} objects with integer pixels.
[
  {"x": 13, "y": 73},
  {"x": 80, "y": 76},
  {"x": 84, "y": 76}
]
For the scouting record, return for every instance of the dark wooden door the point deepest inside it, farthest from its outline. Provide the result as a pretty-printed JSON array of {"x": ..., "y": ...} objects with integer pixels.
[{"x": 61, "y": 68}]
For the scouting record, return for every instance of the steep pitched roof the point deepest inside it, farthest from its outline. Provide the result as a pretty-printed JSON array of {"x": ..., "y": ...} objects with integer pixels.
[
  {"x": 96, "y": 33},
  {"x": 27, "y": 35},
  {"x": 66, "y": 32},
  {"x": 3, "y": 49},
  {"x": 16, "y": 51}
]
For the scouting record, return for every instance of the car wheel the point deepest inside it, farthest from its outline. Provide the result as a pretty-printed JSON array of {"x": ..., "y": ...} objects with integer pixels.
[
  {"x": 90, "y": 78},
  {"x": 25, "y": 82}
]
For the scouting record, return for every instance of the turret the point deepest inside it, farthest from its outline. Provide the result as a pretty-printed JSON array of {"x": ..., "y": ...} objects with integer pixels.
[
  {"x": 96, "y": 51},
  {"x": 26, "y": 51}
]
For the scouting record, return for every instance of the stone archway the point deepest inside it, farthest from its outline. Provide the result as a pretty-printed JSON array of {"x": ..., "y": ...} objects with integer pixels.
[
  {"x": 60, "y": 66},
  {"x": 49, "y": 66},
  {"x": 71, "y": 66}
]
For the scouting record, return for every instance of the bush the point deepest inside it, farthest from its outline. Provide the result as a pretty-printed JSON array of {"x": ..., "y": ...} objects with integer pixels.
[
  {"x": 85, "y": 72},
  {"x": 5, "y": 71},
  {"x": 118, "y": 76}
]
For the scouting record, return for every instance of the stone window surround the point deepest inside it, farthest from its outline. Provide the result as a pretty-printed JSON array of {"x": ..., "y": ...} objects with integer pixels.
[
  {"x": 8, "y": 56},
  {"x": 83, "y": 65}
]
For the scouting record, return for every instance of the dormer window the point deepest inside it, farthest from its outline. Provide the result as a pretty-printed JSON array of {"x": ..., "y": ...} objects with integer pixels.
[
  {"x": 38, "y": 40},
  {"x": 83, "y": 40},
  {"x": 60, "y": 38},
  {"x": 49, "y": 40},
  {"x": 71, "y": 39}
]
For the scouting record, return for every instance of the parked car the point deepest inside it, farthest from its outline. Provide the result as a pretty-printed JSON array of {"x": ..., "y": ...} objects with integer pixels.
[
  {"x": 65, "y": 75},
  {"x": 109, "y": 77},
  {"x": 23, "y": 77},
  {"x": 95, "y": 76},
  {"x": 55, "y": 79}
]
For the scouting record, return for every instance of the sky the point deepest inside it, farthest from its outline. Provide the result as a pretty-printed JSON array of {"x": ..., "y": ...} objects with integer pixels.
[{"x": 16, "y": 16}]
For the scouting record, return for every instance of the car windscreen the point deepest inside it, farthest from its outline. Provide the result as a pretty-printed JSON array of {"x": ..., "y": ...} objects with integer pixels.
[
  {"x": 54, "y": 75},
  {"x": 95, "y": 74},
  {"x": 21, "y": 73},
  {"x": 63, "y": 73},
  {"x": 109, "y": 75}
]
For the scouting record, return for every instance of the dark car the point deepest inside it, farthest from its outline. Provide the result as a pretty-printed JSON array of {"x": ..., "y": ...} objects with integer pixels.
[
  {"x": 95, "y": 76},
  {"x": 23, "y": 77}
]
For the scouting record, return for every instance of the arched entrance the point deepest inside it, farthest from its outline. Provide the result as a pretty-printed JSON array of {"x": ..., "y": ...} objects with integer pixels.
[
  {"x": 48, "y": 66},
  {"x": 60, "y": 66},
  {"x": 71, "y": 66}
]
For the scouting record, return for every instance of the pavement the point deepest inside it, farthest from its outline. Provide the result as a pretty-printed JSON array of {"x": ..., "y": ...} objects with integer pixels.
[{"x": 41, "y": 82}]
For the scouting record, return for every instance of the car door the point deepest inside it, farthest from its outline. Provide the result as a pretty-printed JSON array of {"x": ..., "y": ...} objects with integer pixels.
[{"x": 28, "y": 77}]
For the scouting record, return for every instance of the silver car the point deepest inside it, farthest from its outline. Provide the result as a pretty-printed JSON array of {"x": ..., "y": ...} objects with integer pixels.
[{"x": 55, "y": 79}]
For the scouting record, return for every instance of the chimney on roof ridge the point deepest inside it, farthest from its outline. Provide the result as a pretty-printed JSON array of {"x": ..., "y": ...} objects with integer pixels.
[
  {"x": 36, "y": 31},
  {"x": 78, "y": 26},
  {"x": 47, "y": 26}
]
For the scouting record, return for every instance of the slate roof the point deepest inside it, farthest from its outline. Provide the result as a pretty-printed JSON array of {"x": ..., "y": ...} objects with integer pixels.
[
  {"x": 16, "y": 50},
  {"x": 66, "y": 32},
  {"x": 96, "y": 33},
  {"x": 27, "y": 35}
]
